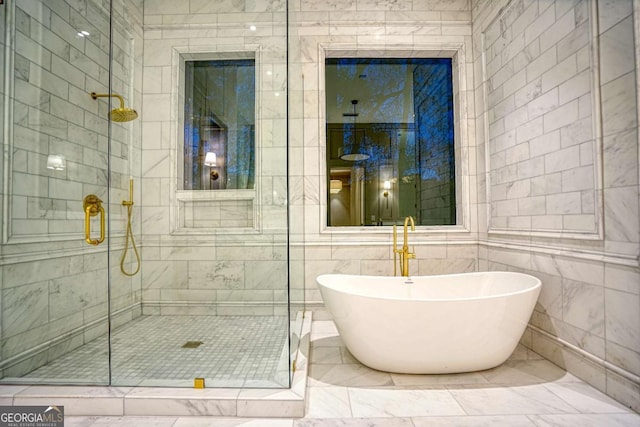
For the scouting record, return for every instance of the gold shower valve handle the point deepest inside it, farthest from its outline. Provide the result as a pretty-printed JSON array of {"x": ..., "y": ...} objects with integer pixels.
[{"x": 93, "y": 206}]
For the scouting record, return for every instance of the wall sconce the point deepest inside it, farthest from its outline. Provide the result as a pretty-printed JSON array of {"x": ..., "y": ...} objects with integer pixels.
[
  {"x": 387, "y": 187},
  {"x": 56, "y": 162},
  {"x": 335, "y": 186},
  {"x": 211, "y": 161}
]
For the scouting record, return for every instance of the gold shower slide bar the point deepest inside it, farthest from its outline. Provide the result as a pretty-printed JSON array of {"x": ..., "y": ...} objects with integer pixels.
[{"x": 92, "y": 207}]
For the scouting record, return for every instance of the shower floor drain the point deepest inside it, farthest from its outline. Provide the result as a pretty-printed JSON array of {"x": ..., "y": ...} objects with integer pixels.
[{"x": 192, "y": 344}]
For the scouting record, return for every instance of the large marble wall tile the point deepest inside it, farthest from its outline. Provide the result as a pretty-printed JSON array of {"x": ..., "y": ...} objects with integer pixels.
[
  {"x": 510, "y": 257},
  {"x": 582, "y": 306},
  {"x": 216, "y": 275},
  {"x": 24, "y": 307},
  {"x": 550, "y": 299},
  {"x": 622, "y": 278},
  {"x": 266, "y": 275},
  {"x": 617, "y": 53},
  {"x": 618, "y": 105},
  {"x": 574, "y": 363},
  {"x": 579, "y": 270},
  {"x": 435, "y": 252},
  {"x": 621, "y": 356},
  {"x": 589, "y": 341},
  {"x": 155, "y": 162},
  {"x": 165, "y": 274},
  {"x": 429, "y": 267},
  {"x": 620, "y": 206},
  {"x": 75, "y": 293},
  {"x": 247, "y": 253},
  {"x": 318, "y": 267},
  {"x": 378, "y": 267},
  {"x": 360, "y": 252},
  {"x": 623, "y": 390},
  {"x": 187, "y": 253},
  {"x": 30, "y": 272},
  {"x": 610, "y": 12},
  {"x": 620, "y": 152},
  {"x": 26, "y": 341},
  {"x": 622, "y": 314}
]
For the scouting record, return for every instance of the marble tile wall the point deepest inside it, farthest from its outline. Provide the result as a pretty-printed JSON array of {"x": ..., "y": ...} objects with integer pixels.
[
  {"x": 573, "y": 62},
  {"x": 539, "y": 118},
  {"x": 220, "y": 214},
  {"x": 53, "y": 114},
  {"x": 374, "y": 29},
  {"x": 54, "y": 286},
  {"x": 201, "y": 264},
  {"x": 377, "y": 259},
  {"x": 213, "y": 252}
]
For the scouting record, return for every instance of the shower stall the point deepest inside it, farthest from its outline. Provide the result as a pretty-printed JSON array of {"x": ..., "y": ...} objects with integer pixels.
[{"x": 115, "y": 268}]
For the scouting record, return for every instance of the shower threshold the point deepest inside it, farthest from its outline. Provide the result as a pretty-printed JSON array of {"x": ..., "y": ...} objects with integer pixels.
[{"x": 121, "y": 401}]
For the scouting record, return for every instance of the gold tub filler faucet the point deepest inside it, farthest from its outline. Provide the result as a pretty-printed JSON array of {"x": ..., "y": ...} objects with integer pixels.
[{"x": 404, "y": 253}]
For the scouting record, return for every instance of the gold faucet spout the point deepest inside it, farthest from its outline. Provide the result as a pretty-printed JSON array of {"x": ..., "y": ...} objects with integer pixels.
[
  {"x": 404, "y": 253},
  {"x": 408, "y": 219}
]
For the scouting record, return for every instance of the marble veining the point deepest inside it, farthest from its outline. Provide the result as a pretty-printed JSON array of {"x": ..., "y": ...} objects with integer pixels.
[
  {"x": 527, "y": 391},
  {"x": 581, "y": 303}
]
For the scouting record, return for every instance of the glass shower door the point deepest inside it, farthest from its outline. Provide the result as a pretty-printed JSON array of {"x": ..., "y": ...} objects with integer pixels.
[
  {"x": 55, "y": 192},
  {"x": 209, "y": 306}
]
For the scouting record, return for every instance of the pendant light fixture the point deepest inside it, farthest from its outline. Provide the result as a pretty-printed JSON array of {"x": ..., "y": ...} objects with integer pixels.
[{"x": 353, "y": 150}]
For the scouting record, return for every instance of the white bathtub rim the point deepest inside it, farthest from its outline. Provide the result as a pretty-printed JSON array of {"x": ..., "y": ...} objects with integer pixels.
[{"x": 361, "y": 292}]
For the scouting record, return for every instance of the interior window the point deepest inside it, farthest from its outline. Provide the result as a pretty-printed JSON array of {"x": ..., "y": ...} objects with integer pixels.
[
  {"x": 219, "y": 149},
  {"x": 390, "y": 141}
]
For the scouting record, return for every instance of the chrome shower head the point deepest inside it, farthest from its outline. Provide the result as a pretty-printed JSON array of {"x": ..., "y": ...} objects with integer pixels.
[{"x": 121, "y": 114}]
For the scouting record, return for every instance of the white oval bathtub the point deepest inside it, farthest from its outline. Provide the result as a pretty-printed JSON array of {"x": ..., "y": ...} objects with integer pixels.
[{"x": 431, "y": 324}]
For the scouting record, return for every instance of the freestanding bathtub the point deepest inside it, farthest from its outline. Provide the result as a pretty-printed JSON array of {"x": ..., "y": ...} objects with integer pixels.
[{"x": 431, "y": 324}]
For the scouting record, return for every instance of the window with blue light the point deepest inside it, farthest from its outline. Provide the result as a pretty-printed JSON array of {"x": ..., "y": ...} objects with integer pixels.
[
  {"x": 219, "y": 131},
  {"x": 390, "y": 141}
]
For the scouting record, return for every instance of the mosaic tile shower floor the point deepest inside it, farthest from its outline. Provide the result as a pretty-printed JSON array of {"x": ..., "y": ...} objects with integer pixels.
[{"x": 236, "y": 351}]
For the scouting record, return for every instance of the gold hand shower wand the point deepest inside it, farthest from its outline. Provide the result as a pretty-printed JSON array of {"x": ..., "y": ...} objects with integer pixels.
[{"x": 129, "y": 235}]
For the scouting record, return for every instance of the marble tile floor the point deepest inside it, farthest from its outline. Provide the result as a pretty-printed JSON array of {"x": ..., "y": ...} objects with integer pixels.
[
  {"x": 235, "y": 351},
  {"x": 526, "y": 391}
]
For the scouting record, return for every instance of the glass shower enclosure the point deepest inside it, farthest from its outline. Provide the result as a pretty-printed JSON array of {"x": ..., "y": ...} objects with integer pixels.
[{"x": 114, "y": 269}]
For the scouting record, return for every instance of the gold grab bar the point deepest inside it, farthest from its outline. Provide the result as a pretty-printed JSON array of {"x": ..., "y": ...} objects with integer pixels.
[{"x": 93, "y": 206}]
